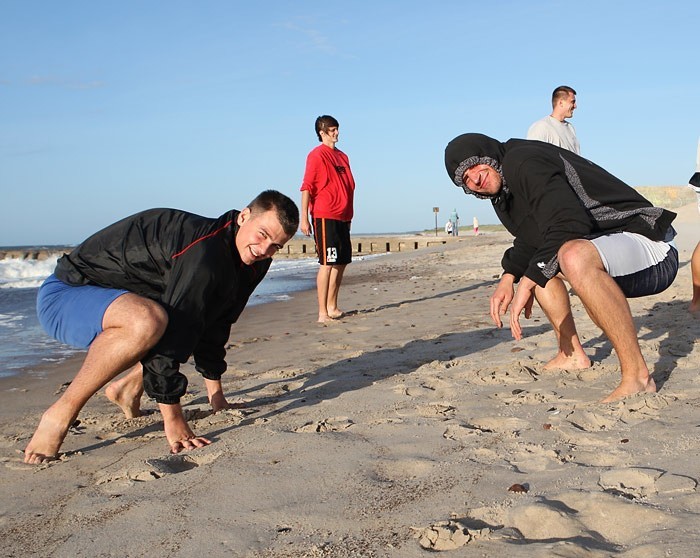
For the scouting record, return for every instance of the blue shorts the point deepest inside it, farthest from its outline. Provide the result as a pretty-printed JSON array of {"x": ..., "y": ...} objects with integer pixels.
[{"x": 73, "y": 315}]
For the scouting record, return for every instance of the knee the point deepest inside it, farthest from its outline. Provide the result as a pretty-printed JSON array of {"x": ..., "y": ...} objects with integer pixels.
[
  {"x": 574, "y": 257},
  {"x": 149, "y": 321}
]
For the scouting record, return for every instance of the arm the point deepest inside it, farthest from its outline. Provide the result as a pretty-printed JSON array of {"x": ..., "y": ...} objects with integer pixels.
[
  {"x": 186, "y": 302},
  {"x": 305, "y": 225},
  {"x": 210, "y": 352},
  {"x": 312, "y": 180},
  {"x": 209, "y": 357}
]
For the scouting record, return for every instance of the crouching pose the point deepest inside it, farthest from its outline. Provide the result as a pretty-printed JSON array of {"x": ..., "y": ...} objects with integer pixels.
[
  {"x": 571, "y": 220},
  {"x": 144, "y": 295}
]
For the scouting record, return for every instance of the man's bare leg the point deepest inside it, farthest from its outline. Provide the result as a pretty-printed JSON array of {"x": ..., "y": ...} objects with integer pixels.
[
  {"x": 127, "y": 391},
  {"x": 322, "y": 284},
  {"x": 608, "y": 308},
  {"x": 695, "y": 272},
  {"x": 131, "y": 326},
  {"x": 336, "y": 278},
  {"x": 328, "y": 283},
  {"x": 554, "y": 301}
]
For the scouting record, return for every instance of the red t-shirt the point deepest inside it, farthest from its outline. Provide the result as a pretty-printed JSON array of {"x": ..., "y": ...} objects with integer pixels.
[{"x": 330, "y": 183}]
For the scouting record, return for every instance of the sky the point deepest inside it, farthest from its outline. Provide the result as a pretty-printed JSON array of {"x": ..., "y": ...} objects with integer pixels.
[{"x": 109, "y": 108}]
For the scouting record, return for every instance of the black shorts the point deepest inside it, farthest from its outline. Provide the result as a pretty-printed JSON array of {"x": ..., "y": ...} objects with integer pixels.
[{"x": 333, "y": 244}]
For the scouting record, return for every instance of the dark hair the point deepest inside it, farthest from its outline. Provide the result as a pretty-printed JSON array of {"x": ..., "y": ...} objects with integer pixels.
[
  {"x": 561, "y": 92},
  {"x": 323, "y": 123},
  {"x": 287, "y": 210}
]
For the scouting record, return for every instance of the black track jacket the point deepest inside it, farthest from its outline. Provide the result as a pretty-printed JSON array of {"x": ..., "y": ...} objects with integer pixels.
[{"x": 187, "y": 263}]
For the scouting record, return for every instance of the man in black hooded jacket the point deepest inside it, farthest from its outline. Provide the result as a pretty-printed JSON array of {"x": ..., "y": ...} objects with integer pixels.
[
  {"x": 145, "y": 294},
  {"x": 571, "y": 220}
]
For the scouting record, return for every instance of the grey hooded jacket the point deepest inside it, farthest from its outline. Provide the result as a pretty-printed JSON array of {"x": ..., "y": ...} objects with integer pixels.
[{"x": 550, "y": 196}]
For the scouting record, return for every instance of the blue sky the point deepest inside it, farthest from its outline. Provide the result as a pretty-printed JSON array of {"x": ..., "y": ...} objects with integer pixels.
[{"x": 108, "y": 108}]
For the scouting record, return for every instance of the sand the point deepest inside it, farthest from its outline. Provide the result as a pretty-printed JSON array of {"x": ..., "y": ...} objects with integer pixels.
[{"x": 409, "y": 426}]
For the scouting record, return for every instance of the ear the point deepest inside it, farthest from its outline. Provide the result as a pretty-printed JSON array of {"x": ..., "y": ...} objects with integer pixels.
[{"x": 243, "y": 216}]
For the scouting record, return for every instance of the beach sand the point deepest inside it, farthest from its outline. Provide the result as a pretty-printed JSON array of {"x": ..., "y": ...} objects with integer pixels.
[{"x": 411, "y": 425}]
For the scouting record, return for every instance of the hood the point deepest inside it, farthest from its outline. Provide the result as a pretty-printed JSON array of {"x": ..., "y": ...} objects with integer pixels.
[{"x": 468, "y": 150}]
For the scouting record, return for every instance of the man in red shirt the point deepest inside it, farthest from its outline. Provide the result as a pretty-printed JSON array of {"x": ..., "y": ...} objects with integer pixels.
[{"x": 327, "y": 194}]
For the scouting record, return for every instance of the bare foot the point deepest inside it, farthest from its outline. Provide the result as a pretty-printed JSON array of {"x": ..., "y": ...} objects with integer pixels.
[
  {"x": 47, "y": 440},
  {"x": 694, "y": 309},
  {"x": 128, "y": 400},
  {"x": 575, "y": 361},
  {"x": 323, "y": 318},
  {"x": 627, "y": 388},
  {"x": 335, "y": 314}
]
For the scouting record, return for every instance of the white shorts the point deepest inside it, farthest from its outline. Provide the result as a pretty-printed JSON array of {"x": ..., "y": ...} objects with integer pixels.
[{"x": 640, "y": 266}]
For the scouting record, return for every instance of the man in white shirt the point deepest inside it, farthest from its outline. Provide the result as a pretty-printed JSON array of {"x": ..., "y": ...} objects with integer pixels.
[{"x": 555, "y": 129}]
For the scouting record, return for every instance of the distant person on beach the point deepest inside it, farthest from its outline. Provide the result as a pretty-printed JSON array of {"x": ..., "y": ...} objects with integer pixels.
[
  {"x": 448, "y": 227},
  {"x": 327, "y": 193},
  {"x": 694, "y": 183},
  {"x": 475, "y": 225},
  {"x": 145, "y": 294},
  {"x": 555, "y": 129},
  {"x": 571, "y": 220},
  {"x": 454, "y": 218}
]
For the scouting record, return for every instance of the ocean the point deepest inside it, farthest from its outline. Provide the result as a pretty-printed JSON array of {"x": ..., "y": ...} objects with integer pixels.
[{"x": 25, "y": 347}]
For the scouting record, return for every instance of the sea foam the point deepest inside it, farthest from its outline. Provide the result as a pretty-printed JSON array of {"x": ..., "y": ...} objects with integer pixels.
[{"x": 18, "y": 273}]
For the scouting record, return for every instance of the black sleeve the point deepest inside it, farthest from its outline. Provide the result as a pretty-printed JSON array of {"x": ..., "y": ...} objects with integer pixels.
[
  {"x": 517, "y": 258},
  {"x": 210, "y": 352},
  {"x": 188, "y": 299}
]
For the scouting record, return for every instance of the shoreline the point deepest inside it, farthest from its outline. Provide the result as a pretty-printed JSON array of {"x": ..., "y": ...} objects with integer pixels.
[
  {"x": 400, "y": 428},
  {"x": 40, "y": 371}
]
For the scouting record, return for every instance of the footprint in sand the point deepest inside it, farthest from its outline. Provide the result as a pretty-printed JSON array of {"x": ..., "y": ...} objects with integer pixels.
[
  {"x": 277, "y": 388},
  {"x": 606, "y": 520},
  {"x": 336, "y": 424},
  {"x": 632, "y": 410},
  {"x": 532, "y": 458},
  {"x": 157, "y": 468},
  {"x": 436, "y": 409},
  {"x": 591, "y": 421},
  {"x": 524, "y": 397},
  {"x": 463, "y": 432},
  {"x": 640, "y": 482},
  {"x": 486, "y": 425},
  {"x": 503, "y": 375},
  {"x": 502, "y": 425},
  {"x": 225, "y": 416}
]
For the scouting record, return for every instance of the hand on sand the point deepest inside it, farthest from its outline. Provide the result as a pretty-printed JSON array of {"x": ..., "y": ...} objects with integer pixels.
[
  {"x": 188, "y": 444},
  {"x": 178, "y": 433},
  {"x": 218, "y": 403}
]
